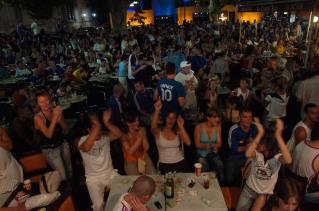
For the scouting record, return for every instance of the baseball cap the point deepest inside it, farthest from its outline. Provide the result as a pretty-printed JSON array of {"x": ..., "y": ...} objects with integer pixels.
[{"x": 185, "y": 64}]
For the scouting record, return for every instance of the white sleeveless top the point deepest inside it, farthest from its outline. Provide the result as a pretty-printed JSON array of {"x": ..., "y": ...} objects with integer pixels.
[
  {"x": 264, "y": 174},
  {"x": 303, "y": 158},
  {"x": 169, "y": 151},
  {"x": 291, "y": 144}
]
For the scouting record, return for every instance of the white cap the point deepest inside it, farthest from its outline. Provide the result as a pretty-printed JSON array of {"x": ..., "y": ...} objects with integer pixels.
[{"x": 185, "y": 64}]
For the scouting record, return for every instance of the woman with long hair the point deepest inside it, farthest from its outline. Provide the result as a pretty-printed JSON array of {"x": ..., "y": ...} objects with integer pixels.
[
  {"x": 50, "y": 124},
  {"x": 170, "y": 140},
  {"x": 135, "y": 147},
  {"x": 286, "y": 197},
  {"x": 208, "y": 140}
]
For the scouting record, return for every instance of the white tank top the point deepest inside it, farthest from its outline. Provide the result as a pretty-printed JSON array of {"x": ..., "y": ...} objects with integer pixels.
[
  {"x": 303, "y": 158},
  {"x": 169, "y": 151},
  {"x": 291, "y": 144}
]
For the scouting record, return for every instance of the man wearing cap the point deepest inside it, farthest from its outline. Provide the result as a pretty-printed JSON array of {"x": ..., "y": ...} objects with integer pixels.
[
  {"x": 187, "y": 78},
  {"x": 171, "y": 92}
]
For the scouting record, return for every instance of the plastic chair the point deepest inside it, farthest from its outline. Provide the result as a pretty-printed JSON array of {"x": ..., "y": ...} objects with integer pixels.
[
  {"x": 235, "y": 194},
  {"x": 34, "y": 166},
  {"x": 231, "y": 196},
  {"x": 67, "y": 205},
  {"x": 227, "y": 196}
]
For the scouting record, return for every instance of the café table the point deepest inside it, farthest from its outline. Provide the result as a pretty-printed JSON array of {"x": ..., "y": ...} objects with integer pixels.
[
  {"x": 185, "y": 198},
  {"x": 12, "y": 80},
  {"x": 101, "y": 77},
  {"x": 4, "y": 198}
]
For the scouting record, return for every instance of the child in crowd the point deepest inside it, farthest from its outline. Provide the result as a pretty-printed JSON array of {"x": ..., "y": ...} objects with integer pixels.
[{"x": 267, "y": 157}]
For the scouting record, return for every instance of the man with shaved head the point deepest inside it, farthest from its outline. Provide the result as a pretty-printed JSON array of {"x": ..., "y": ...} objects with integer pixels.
[{"x": 142, "y": 191}]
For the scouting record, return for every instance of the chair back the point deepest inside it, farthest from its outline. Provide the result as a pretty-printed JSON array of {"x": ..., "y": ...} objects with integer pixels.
[{"x": 67, "y": 205}]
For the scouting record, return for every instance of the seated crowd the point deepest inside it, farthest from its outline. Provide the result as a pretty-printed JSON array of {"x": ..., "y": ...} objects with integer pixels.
[{"x": 181, "y": 96}]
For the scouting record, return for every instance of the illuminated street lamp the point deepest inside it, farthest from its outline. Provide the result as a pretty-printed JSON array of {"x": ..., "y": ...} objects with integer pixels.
[
  {"x": 315, "y": 19},
  {"x": 222, "y": 17}
]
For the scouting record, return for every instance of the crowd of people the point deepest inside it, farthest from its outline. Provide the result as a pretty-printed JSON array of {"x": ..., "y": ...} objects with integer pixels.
[{"x": 235, "y": 97}]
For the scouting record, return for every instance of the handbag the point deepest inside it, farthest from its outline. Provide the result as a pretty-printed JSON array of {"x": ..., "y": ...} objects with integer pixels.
[{"x": 50, "y": 182}]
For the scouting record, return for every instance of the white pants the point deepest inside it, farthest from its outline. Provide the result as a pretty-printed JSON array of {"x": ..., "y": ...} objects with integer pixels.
[
  {"x": 123, "y": 81},
  {"x": 96, "y": 187}
]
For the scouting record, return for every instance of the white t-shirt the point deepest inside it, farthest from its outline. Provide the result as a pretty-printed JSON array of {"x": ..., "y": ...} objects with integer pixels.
[
  {"x": 22, "y": 72},
  {"x": 99, "y": 47},
  {"x": 122, "y": 205},
  {"x": 191, "y": 100},
  {"x": 11, "y": 173},
  {"x": 35, "y": 28},
  {"x": 124, "y": 45},
  {"x": 263, "y": 175},
  {"x": 97, "y": 161},
  {"x": 308, "y": 91},
  {"x": 276, "y": 106},
  {"x": 245, "y": 95}
]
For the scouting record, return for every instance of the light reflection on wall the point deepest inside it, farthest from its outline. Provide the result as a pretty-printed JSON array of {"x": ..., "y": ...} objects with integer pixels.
[
  {"x": 250, "y": 16},
  {"x": 146, "y": 13},
  {"x": 188, "y": 14}
]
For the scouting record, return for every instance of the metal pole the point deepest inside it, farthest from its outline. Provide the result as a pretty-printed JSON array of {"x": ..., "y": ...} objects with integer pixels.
[
  {"x": 184, "y": 11},
  {"x": 309, "y": 34}
]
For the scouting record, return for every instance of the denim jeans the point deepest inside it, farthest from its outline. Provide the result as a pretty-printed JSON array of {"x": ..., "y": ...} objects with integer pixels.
[
  {"x": 246, "y": 199},
  {"x": 59, "y": 159},
  {"x": 232, "y": 170},
  {"x": 213, "y": 162}
]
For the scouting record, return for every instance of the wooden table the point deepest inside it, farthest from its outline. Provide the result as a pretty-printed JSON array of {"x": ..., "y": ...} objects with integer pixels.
[{"x": 186, "y": 199}]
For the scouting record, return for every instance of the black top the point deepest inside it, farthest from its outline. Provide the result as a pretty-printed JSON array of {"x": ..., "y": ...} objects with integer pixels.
[{"x": 56, "y": 139}]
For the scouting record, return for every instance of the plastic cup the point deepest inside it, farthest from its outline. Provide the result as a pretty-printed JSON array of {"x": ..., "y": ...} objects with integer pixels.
[
  {"x": 206, "y": 181},
  {"x": 198, "y": 169}
]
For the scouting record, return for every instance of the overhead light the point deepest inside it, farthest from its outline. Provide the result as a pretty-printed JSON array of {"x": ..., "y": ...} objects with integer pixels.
[
  {"x": 133, "y": 3},
  {"x": 84, "y": 14},
  {"x": 94, "y": 14},
  {"x": 285, "y": 13},
  {"x": 315, "y": 19}
]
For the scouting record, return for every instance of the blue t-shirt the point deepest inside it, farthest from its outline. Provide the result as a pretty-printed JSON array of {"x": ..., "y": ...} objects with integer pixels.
[
  {"x": 176, "y": 58},
  {"x": 115, "y": 106},
  {"x": 145, "y": 100},
  {"x": 198, "y": 62},
  {"x": 122, "y": 69},
  {"x": 169, "y": 91},
  {"x": 239, "y": 138}
]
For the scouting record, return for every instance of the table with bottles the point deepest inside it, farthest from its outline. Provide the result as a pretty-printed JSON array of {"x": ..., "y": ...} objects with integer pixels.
[{"x": 190, "y": 192}]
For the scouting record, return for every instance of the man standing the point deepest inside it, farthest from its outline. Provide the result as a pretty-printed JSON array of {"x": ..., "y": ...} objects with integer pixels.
[
  {"x": 144, "y": 101},
  {"x": 171, "y": 92},
  {"x": 240, "y": 135},
  {"x": 11, "y": 173},
  {"x": 187, "y": 78},
  {"x": 302, "y": 130},
  {"x": 132, "y": 64},
  {"x": 141, "y": 192},
  {"x": 308, "y": 89},
  {"x": 95, "y": 152},
  {"x": 306, "y": 165}
]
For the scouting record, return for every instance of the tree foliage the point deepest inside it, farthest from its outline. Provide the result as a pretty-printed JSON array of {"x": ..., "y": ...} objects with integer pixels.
[
  {"x": 138, "y": 15},
  {"x": 40, "y": 9}
]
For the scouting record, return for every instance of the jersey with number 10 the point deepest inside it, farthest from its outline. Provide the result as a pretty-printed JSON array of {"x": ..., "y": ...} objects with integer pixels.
[{"x": 170, "y": 90}]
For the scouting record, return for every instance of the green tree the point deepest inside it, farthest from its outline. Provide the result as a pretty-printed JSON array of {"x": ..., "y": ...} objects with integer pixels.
[{"x": 138, "y": 15}]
